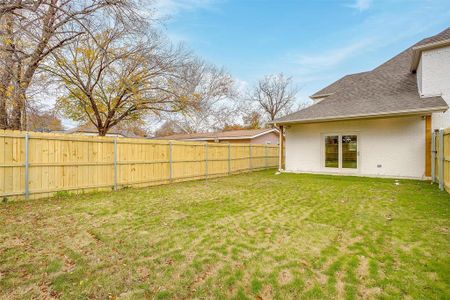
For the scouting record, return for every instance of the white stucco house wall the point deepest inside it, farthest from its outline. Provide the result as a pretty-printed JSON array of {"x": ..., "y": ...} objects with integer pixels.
[
  {"x": 432, "y": 64},
  {"x": 376, "y": 123}
]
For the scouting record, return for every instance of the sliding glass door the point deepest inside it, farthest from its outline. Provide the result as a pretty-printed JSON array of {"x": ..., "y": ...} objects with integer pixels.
[
  {"x": 332, "y": 151},
  {"x": 341, "y": 151},
  {"x": 349, "y": 151}
]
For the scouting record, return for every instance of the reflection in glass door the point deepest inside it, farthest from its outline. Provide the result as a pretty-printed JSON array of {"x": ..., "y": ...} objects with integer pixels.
[
  {"x": 341, "y": 151},
  {"x": 350, "y": 151},
  {"x": 332, "y": 151}
]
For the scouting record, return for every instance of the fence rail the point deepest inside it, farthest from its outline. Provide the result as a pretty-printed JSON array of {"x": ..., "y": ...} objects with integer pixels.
[
  {"x": 440, "y": 158},
  {"x": 37, "y": 165}
]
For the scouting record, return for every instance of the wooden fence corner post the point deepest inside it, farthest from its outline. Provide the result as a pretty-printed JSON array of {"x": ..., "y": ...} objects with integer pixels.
[{"x": 27, "y": 165}]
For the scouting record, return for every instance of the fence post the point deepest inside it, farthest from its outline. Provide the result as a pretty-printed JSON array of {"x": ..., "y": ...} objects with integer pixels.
[
  {"x": 229, "y": 159},
  {"x": 250, "y": 157},
  {"x": 206, "y": 160},
  {"x": 115, "y": 163},
  {"x": 433, "y": 157},
  {"x": 27, "y": 165},
  {"x": 441, "y": 159},
  {"x": 170, "y": 162}
]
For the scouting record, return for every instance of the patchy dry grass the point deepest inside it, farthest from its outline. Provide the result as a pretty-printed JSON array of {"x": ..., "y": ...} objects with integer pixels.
[{"x": 255, "y": 236}]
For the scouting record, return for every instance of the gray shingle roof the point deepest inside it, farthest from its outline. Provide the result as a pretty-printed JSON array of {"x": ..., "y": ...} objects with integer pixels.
[
  {"x": 386, "y": 90},
  {"x": 440, "y": 37},
  {"x": 344, "y": 81}
]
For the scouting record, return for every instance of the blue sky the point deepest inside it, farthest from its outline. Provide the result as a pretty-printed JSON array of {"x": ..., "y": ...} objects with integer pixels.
[{"x": 316, "y": 42}]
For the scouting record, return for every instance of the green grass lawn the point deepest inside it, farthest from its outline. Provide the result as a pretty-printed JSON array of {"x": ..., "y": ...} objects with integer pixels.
[{"x": 257, "y": 236}]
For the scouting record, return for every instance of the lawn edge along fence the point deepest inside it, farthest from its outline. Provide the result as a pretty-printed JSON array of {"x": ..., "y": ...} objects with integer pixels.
[
  {"x": 440, "y": 158},
  {"x": 38, "y": 165}
]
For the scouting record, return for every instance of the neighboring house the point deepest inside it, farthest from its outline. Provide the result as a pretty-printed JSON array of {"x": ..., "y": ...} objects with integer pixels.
[
  {"x": 251, "y": 136},
  {"x": 91, "y": 130},
  {"x": 375, "y": 123}
]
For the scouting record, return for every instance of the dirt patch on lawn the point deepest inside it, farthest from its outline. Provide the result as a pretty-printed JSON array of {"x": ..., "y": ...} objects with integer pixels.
[
  {"x": 266, "y": 293},
  {"x": 285, "y": 277},
  {"x": 200, "y": 278},
  {"x": 340, "y": 286},
  {"x": 371, "y": 293},
  {"x": 363, "y": 268}
]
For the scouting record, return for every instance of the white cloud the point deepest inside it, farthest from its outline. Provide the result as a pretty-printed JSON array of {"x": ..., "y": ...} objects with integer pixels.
[
  {"x": 334, "y": 56},
  {"x": 361, "y": 5},
  {"x": 170, "y": 8}
]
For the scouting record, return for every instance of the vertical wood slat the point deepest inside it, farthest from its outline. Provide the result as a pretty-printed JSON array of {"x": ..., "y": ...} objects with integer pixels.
[
  {"x": 206, "y": 160},
  {"x": 115, "y": 164},
  {"x": 441, "y": 159},
  {"x": 170, "y": 161},
  {"x": 446, "y": 159},
  {"x": 27, "y": 165}
]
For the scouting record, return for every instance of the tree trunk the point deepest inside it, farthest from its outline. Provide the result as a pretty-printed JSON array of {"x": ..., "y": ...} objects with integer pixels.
[
  {"x": 3, "y": 113},
  {"x": 7, "y": 59},
  {"x": 102, "y": 131},
  {"x": 16, "y": 116},
  {"x": 19, "y": 98}
]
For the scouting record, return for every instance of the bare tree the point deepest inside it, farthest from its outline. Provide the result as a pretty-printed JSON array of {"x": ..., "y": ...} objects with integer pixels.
[
  {"x": 32, "y": 30},
  {"x": 213, "y": 89},
  {"x": 116, "y": 77},
  {"x": 167, "y": 128},
  {"x": 275, "y": 95},
  {"x": 43, "y": 121}
]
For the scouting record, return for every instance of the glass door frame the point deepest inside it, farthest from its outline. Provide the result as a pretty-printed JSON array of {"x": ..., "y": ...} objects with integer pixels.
[{"x": 340, "y": 169}]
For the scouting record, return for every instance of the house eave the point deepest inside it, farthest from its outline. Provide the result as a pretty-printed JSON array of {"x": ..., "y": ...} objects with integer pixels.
[
  {"x": 315, "y": 97},
  {"x": 368, "y": 116}
]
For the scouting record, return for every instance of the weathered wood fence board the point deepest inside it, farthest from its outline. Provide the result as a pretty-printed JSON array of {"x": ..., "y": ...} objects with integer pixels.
[
  {"x": 37, "y": 165},
  {"x": 441, "y": 158}
]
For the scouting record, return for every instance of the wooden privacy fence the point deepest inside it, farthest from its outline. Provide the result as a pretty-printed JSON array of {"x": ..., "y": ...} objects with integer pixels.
[
  {"x": 36, "y": 165},
  {"x": 440, "y": 158}
]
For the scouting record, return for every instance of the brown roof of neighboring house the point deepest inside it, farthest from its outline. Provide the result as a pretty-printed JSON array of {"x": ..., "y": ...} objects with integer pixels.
[
  {"x": 223, "y": 135},
  {"x": 90, "y": 128},
  {"x": 389, "y": 89}
]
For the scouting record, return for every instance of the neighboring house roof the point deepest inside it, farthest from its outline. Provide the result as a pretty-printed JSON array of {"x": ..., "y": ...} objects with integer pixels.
[
  {"x": 224, "y": 135},
  {"x": 389, "y": 89},
  {"x": 90, "y": 128}
]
